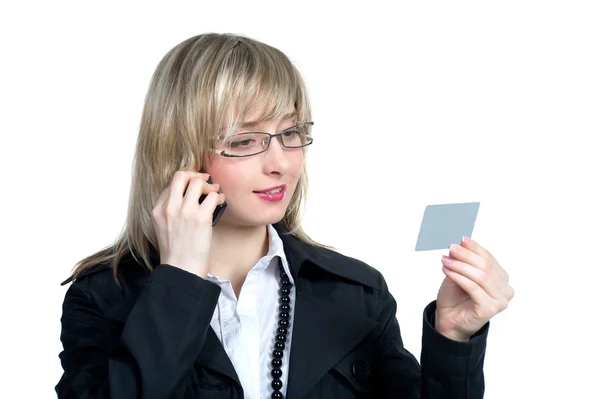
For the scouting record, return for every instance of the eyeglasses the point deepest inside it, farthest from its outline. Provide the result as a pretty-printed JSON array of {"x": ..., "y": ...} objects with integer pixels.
[{"x": 253, "y": 143}]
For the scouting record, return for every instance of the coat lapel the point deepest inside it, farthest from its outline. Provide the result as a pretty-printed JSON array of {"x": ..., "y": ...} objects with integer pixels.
[
  {"x": 213, "y": 356},
  {"x": 323, "y": 333}
]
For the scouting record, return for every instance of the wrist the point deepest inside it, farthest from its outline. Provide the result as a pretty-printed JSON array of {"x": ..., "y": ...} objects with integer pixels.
[
  {"x": 453, "y": 335},
  {"x": 197, "y": 268},
  {"x": 449, "y": 333}
]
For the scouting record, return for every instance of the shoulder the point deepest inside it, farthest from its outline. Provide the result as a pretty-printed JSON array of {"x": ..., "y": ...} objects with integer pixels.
[
  {"x": 99, "y": 283},
  {"x": 348, "y": 268},
  {"x": 303, "y": 255},
  {"x": 338, "y": 281}
]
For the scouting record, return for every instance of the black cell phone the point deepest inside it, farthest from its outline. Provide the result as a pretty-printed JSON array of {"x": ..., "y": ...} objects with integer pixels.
[{"x": 218, "y": 210}]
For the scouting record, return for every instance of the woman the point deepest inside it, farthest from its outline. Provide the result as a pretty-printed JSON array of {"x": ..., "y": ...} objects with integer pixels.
[{"x": 248, "y": 305}]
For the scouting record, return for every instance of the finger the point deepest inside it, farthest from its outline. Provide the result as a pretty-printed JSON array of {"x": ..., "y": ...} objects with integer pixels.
[
  {"x": 196, "y": 188},
  {"x": 211, "y": 201},
  {"x": 489, "y": 266},
  {"x": 475, "y": 247},
  {"x": 486, "y": 281},
  {"x": 510, "y": 292},
  {"x": 162, "y": 197},
  {"x": 472, "y": 245},
  {"x": 466, "y": 255},
  {"x": 477, "y": 294},
  {"x": 179, "y": 185},
  {"x": 486, "y": 307}
]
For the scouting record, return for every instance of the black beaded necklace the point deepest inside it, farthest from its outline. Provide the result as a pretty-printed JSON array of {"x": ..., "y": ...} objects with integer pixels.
[{"x": 281, "y": 333}]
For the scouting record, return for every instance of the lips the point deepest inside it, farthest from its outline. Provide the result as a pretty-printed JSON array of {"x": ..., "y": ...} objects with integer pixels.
[{"x": 271, "y": 190}]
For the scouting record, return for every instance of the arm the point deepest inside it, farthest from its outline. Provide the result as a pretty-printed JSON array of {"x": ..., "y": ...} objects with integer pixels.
[
  {"x": 449, "y": 369},
  {"x": 154, "y": 356}
]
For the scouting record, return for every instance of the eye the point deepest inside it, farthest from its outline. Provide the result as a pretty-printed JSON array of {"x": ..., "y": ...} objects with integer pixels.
[
  {"x": 241, "y": 143},
  {"x": 290, "y": 133}
]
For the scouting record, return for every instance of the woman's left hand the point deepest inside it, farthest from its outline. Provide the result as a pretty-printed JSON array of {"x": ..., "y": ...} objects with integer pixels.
[{"x": 475, "y": 289}]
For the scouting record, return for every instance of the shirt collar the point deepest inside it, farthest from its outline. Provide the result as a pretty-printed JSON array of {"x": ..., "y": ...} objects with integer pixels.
[{"x": 276, "y": 249}]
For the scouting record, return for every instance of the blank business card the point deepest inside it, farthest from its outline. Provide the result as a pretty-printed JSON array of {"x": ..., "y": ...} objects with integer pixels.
[{"x": 445, "y": 224}]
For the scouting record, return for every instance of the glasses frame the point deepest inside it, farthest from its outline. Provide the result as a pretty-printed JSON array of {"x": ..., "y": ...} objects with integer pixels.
[{"x": 279, "y": 138}]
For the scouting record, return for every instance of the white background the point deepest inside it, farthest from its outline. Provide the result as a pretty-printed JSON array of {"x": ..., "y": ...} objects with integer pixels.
[{"x": 414, "y": 103}]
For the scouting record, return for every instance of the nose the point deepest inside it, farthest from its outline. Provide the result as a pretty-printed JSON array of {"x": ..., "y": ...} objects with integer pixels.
[{"x": 276, "y": 157}]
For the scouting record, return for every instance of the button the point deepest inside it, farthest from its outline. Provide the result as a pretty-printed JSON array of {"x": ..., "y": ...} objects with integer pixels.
[{"x": 361, "y": 369}]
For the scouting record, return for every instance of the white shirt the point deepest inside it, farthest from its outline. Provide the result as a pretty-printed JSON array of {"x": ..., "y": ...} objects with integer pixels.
[{"x": 246, "y": 326}]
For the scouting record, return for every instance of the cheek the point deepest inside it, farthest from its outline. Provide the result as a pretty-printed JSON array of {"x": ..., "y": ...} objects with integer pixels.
[
  {"x": 296, "y": 165},
  {"x": 230, "y": 175}
]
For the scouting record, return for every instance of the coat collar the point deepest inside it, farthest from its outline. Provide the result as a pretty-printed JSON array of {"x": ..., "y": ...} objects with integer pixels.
[{"x": 300, "y": 254}]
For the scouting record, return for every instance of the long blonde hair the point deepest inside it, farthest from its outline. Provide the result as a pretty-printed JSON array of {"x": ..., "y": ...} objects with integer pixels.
[{"x": 205, "y": 84}]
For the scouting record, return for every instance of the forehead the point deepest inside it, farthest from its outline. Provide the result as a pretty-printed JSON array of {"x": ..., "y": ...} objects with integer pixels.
[{"x": 255, "y": 120}]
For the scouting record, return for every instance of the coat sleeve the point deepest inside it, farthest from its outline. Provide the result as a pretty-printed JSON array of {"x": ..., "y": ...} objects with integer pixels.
[
  {"x": 448, "y": 369},
  {"x": 153, "y": 357}
]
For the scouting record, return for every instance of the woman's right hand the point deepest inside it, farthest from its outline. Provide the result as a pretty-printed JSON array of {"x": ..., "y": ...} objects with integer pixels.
[{"x": 183, "y": 226}]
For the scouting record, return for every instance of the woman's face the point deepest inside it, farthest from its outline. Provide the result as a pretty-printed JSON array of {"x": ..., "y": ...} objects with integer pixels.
[{"x": 241, "y": 179}]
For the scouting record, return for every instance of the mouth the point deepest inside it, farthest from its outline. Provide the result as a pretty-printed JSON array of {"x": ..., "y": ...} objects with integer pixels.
[
  {"x": 271, "y": 190},
  {"x": 273, "y": 194}
]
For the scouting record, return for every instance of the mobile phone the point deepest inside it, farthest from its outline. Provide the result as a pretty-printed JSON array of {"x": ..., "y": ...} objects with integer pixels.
[{"x": 218, "y": 210}]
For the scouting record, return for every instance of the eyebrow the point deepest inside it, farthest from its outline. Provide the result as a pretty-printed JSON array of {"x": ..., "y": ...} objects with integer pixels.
[{"x": 285, "y": 117}]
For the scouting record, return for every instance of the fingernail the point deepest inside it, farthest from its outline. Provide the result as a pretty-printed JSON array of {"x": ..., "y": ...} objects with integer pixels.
[
  {"x": 217, "y": 186},
  {"x": 465, "y": 239}
]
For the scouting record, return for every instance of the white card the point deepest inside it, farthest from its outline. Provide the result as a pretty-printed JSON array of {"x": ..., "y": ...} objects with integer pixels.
[{"x": 445, "y": 224}]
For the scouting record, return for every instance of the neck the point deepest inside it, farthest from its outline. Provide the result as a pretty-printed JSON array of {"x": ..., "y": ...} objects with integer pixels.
[{"x": 235, "y": 250}]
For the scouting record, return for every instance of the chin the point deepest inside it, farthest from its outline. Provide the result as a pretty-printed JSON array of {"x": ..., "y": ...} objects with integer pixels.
[
  {"x": 271, "y": 217},
  {"x": 258, "y": 217}
]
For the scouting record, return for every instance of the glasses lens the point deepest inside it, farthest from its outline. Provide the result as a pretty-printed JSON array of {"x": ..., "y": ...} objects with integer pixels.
[
  {"x": 244, "y": 143},
  {"x": 298, "y": 136}
]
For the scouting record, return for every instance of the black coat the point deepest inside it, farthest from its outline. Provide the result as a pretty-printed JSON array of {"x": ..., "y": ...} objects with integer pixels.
[{"x": 152, "y": 338}]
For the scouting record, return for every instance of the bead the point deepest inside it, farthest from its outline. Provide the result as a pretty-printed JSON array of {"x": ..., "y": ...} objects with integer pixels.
[
  {"x": 276, "y": 372},
  {"x": 277, "y": 384},
  {"x": 280, "y": 337}
]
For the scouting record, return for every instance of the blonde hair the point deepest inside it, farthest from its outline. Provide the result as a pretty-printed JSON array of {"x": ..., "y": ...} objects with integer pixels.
[{"x": 205, "y": 84}]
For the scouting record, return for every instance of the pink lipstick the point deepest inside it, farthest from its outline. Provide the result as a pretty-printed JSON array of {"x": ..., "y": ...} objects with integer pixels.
[{"x": 272, "y": 194}]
